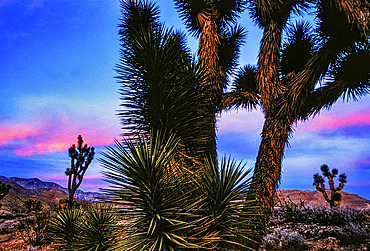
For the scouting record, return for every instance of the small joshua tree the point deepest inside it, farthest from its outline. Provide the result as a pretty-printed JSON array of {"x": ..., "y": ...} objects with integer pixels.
[
  {"x": 81, "y": 158},
  {"x": 4, "y": 190},
  {"x": 336, "y": 196}
]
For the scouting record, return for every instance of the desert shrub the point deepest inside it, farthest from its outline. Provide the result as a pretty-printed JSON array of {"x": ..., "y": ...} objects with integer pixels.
[
  {"x": 339, "y": 217},
  {"x": 98, "y": 229},
  {"x": 90, "y": 228},
  {"x": 63, "y": 228},
  {"x": 292, "y": 212},
  {"x": 35, "y": 226},
  {"x": 33, "y": 205},
  {"x": 352, "y": 234},
  {"x": 284, "y": 240}
]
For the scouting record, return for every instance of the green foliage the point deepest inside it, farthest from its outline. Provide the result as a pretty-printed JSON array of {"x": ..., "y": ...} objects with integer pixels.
[
  {"x": 81, "y": 157},
  {"x": 156, "y": 199},
  {"x": 98, "y": 230},
  {"x": 293, "y": 212},
  {"x": 169, "y": 206},
  {"x": 63, "y": 228},
  {"x": 78, "y": 229},
  {"x": 232, "y": 217},
  {"x": 159, "y": 79},
  {"x": 336, "y": 196},
  {"x": 33, "y": 205}
]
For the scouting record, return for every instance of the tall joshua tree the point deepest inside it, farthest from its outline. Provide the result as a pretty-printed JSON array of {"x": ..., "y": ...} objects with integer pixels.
[
  {"x": 286, "y": 80},
  {"x": 81, "y": 157},
  {"x": 335, "y": 195},
  {"x": 176, "y": 201},
  {"x": 213, "y": 22}
]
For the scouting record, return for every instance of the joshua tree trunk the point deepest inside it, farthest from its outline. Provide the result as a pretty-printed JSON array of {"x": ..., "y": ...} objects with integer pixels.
[
  {"x": 275, "y": 130},
  {"x": 213, "y": 86},
  {"x": 268, "y": 165}
]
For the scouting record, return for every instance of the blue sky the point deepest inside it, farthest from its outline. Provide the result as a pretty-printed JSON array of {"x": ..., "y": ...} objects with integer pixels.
[{"x": 57, "y": 60}]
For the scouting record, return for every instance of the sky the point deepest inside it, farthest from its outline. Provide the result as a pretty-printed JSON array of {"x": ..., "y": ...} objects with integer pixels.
[{"x": 57, "y": 60}]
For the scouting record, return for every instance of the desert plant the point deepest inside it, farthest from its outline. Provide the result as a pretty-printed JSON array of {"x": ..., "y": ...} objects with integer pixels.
[
  {"x": 232, "y": 221},
  {"x": 4, "y": 190},
  {"x": 284, "y": 240},
  {"x": 335, "y": 196},
  {"x": 63, "y": 229},
  {"x": 81, "y": 158},
  {"x": 288, "y": 85},
  {"x": 98, "y": 230},
  {"x": 91, "y": 228},
  {"x": 154, "y": 198},
  {"x": 171, "y": 206},
  {"x": 214, "y": 23},
  {"x": 159, "y": 77},
  {"x": 33, "y": 205},
  {"x": 35, "y": 226},
  {"x": 293, "y": 212}
]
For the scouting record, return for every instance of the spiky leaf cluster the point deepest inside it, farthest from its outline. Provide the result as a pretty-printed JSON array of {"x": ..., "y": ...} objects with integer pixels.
[
  {"x": 159, "y": 79},
  {"x": 226, "y": 12},
  {"x": 92, "y": 228},
  {"x": 171, "y": 206}
]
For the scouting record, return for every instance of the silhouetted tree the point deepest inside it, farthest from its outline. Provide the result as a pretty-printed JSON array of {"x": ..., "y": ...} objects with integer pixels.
[
  {"x": 81, "y": 158},
  {"x": 335, "y": 196}
]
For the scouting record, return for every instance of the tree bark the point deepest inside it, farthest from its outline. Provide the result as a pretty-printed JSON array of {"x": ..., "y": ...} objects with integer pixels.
[{"x": 267, "y": 170}]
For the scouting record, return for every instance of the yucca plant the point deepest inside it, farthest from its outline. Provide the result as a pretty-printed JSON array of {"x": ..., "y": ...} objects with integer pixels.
[
  {"x": 232, "y": 222},
  {"x": 151, "y": 194},
  {"x": 90, "y": 229},
  {"x": 296, "y": 79},
  {"x": 98, "y": 230},
  {"x": 169, "y": 206},
  {"x": 63, "y": 229}
]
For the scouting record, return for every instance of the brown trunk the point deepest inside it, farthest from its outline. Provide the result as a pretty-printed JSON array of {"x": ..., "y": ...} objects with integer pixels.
[
  {"x": 268, "y": 170},
  {"x": 212, "y": 87},
  {"x": 70, "y": 196}
]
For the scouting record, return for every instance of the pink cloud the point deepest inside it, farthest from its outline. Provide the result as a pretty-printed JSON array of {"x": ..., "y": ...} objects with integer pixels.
[
  {"x": 11, "y": 133},
  {"x": 55, "y": 134},
  {"x": 333, "y": 121},
  {"x": 93, "y": 176}
]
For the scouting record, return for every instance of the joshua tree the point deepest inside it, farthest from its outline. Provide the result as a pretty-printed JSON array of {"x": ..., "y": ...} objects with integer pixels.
[
  {"x": 81, "y": 158},
  {"x": 287, "y": 81},
  {"x": 4, "y": 190},
  {"x": 335, "y": 196}
]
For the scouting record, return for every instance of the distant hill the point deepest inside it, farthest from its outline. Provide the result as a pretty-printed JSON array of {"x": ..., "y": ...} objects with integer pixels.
[
  {"x": 37, "y": 186},
  {"x": 32, "y": 183},
  {"x": 50, "y": 192},
  {"x": 315, "y": 199}
]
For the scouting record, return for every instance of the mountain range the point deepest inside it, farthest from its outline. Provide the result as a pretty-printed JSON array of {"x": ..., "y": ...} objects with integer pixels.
[
  {"x": 37, "y": 186},
  {"x": 50, "y": 192}
]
